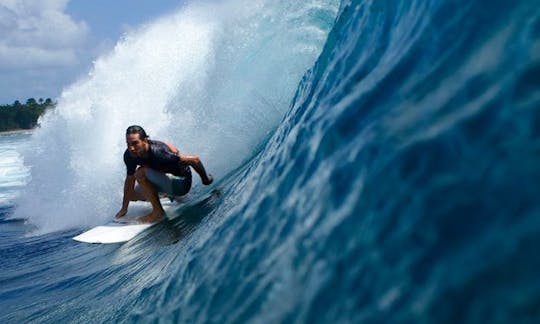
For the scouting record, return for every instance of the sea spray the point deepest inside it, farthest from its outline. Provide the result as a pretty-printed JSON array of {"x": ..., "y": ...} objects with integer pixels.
[{"x": 214, "y": 79}]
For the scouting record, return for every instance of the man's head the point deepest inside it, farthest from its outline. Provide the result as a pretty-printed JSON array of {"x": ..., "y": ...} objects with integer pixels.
[{"x": 137, "y": 141}]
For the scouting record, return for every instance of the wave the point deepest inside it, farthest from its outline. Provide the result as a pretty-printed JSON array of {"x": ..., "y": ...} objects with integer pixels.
[
  {"x": 390, "y": 190},
  {"x": 400, "y": 184}
]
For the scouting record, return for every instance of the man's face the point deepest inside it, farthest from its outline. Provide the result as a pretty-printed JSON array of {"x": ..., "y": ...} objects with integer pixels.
[{"x": 136, "y": 146}]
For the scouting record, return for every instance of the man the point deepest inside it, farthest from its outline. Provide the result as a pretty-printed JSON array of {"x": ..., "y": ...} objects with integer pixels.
[{"x": 161, "y": 168}]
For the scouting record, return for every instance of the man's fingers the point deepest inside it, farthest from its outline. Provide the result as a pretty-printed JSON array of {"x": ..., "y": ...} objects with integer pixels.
[{"x": 121, "y": 213}]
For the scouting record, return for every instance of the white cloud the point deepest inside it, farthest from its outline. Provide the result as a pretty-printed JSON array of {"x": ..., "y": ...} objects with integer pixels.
[
  {"x": 14, "y": 58},
  {"x": 39, "y": 34}
]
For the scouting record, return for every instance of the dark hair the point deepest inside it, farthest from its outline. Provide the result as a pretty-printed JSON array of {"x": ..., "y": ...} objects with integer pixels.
[{"x": 134, "y": 129}]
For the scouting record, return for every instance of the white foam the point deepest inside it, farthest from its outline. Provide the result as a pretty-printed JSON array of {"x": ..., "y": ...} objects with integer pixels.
[
  {"x": 213, "y": 79},
  {"x": 14, "y": 175}
]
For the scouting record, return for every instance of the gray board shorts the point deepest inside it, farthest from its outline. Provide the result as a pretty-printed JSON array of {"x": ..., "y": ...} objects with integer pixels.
[{"x": 167, "y": 183}]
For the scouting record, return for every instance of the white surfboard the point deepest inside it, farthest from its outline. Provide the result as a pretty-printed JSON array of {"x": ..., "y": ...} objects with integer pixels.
[{"x": 122, "y": 229}]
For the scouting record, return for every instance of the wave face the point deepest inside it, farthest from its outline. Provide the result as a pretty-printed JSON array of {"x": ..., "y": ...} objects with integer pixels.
[{"x": 400, "y": 184}]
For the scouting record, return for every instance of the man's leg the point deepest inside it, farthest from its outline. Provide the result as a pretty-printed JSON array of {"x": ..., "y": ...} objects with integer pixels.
[
  {"x": 137, "y": 194},
  {"x": 151, "y": 193}
]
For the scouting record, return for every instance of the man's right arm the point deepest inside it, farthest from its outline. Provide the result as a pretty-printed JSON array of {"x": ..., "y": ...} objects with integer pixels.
[
  {"x": 196, "y": 164},
  {"x": 129, "y": 185}
]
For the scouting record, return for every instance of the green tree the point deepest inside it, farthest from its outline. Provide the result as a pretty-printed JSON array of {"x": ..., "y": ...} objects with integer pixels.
[{"x": 19, "y": 116}]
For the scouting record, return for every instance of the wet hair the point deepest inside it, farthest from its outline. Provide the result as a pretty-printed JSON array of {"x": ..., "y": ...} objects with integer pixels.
[{"x": 135, "y": 129}]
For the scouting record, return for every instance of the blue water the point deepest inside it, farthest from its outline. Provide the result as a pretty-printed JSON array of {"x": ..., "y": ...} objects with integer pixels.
[{"x": 400, "y": 184}]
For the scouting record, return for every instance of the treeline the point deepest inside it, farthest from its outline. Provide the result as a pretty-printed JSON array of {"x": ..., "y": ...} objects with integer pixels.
[{"x": 23, "y": 116}]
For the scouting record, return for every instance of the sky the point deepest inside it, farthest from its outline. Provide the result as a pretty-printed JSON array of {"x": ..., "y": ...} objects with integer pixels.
[{"x": 46, "y": 45}]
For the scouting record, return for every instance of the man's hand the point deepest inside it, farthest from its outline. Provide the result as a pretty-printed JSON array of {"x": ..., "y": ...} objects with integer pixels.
[
  {"x": 196, "y": 164},
  {"x": 209, "y": 179},
  {"x": 121, "y": 213}
]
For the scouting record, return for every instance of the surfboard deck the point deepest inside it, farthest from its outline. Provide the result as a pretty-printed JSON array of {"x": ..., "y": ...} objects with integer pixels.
[{"x": 122, "y": 229}]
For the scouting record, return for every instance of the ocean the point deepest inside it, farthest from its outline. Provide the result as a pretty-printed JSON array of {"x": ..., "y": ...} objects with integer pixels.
[{"x": 375, "y": 162}]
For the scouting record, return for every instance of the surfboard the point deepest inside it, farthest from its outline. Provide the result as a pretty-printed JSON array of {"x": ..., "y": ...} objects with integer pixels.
[{"x": 123, "y": 229}]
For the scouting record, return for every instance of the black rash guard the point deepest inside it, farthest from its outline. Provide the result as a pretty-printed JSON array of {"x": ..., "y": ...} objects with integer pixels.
[{"x": 160, "y": 158}]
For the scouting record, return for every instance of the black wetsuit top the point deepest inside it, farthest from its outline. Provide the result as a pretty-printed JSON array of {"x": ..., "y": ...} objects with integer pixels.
[{"x": 160, "y": 158}]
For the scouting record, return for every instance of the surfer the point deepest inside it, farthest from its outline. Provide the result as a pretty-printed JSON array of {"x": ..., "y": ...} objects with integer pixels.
[{"x": 156, "y": 167}]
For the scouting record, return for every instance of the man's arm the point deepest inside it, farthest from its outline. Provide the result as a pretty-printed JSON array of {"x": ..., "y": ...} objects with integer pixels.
[
  {"x": 196, "y": 164},
  {"x": 129, "y": 184}
]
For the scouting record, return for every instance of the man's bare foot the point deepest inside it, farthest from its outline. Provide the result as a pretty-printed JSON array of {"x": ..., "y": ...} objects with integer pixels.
[{"x": 154, "y": 216}]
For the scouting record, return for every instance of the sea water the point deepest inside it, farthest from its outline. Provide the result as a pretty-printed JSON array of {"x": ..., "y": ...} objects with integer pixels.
[{"x": 375, "y": 162}]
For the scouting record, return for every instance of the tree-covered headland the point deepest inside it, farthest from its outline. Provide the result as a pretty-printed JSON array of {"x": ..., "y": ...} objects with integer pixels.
[{"x": 23, "y": 116}]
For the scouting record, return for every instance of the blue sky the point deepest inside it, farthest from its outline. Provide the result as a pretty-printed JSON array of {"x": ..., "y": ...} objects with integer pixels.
[
  {"x": 45, "y": 45},
  {"x": 108, "y": 18}
]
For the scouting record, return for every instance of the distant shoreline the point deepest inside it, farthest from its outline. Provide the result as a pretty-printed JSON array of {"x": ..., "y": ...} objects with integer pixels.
[{"x": 16, "y": 131}]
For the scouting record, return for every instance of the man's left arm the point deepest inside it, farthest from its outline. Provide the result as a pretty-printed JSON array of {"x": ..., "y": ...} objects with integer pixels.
[{"x": 196, "y": 164}]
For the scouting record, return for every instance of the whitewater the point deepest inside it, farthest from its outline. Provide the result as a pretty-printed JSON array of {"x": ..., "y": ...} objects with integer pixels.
[{"x": 375, "y": 162}]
